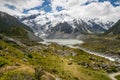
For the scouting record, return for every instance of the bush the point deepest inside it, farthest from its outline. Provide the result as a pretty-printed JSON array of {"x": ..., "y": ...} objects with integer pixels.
[
  {"x": 54, "y": 71},
  {"x": 3, "y": 62},
  {"x": 117, "y": 77},
  {"x": 76, "y": 78},
  {"x": 38, "y": 73},
  {"x": 1, "y": 48},
  {"x": 30, "y": 56},
  {"x": 118, "y": 37},
  {"x": 114, "y": 69}
]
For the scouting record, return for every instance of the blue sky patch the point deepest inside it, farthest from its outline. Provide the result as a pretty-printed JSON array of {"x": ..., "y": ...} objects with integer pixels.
[
  {"x": 10, "y": 6},
  {"x": 113, "y": 2},
  {"x": 59, "y": 8},
  {"x": 45, "y": 6}
]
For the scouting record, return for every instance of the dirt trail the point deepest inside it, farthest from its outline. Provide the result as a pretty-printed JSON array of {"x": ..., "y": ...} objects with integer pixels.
[{"x": 112, "y": 75}]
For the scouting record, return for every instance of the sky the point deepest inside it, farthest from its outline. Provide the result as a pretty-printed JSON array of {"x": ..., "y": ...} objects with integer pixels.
[{"x": 103, "y": 9}]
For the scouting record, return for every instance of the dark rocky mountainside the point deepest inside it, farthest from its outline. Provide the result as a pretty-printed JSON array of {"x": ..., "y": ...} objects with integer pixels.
[
  {"x": 65, "y": 30},
  {"x": 115, "y": 29},
  {"x": 11, "y": 26}
]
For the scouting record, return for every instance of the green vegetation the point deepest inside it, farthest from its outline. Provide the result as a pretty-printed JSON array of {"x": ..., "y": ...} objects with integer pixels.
[
  {"x": 12, "y": 27},
  {"x": 109, "y": 42},
  {"x": 3, "y": 62},
  {"x": 15, "y": 32},
  {"x": 114, "y": 30},
  {"x": 103, "y": 44},
  {"x": 42, "y": 62},
  {"x": 18, "y": 75},
  {"x": 118, "y": 77}
]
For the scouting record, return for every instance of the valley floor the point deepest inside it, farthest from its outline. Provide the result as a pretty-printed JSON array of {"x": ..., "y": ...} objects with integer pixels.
[{"x": 36, "y": 61}]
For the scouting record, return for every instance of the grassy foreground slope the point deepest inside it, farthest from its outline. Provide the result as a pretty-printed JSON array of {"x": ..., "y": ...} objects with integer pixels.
[
  {"x": 118, "y": 77},
  {"x": 42, "y": 62}
]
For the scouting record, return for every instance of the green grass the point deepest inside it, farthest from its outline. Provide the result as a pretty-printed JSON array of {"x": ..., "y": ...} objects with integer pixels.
[
  {"x": 103, "y": 44},
  {"x": 17, "y": 60},
  {"x": 4, "y": 62},
  {"x": 118, "y": 77},
  {"x": 18, "y": 75}
]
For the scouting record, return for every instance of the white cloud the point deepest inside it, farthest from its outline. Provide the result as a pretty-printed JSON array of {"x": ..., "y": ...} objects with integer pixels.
[
  {"x": 66, "y": 4},
  {"x": 117, "y": 3},
  {"x": 75, "y": 8},
  {"x": 20, "y": 5},
  {"x": 10, "y": 11},
  {"x": 33, "y": 12},
  {"x": 23, "y": 4},
  {"x": 103, "y": 10}
]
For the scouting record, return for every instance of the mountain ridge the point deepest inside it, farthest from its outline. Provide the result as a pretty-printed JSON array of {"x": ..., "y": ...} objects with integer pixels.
[
  {"x": 11, "y": 26},
  {"x": 42, "y": 24},
  {"x": 115, "y": 29}
]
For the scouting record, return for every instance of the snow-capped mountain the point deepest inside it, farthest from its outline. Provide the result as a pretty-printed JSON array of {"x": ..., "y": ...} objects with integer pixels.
[{"x": 63, "y": 25}]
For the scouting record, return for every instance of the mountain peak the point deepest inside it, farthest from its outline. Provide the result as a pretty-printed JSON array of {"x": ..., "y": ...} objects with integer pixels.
[{"x": 43, "y": 25}]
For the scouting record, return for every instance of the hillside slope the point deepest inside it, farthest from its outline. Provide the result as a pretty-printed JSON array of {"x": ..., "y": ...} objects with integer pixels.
[
  {"x": 10, "y": 26},
  {"x": 115, "y": 29},
  {"x": 50, "y": 62}
]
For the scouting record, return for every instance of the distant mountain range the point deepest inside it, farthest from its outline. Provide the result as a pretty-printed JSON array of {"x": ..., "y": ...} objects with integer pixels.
[
  {"x": 64, "y": 26},
  {"x": 58, "y": 28},
  {"x": 11, "y": 26}
]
